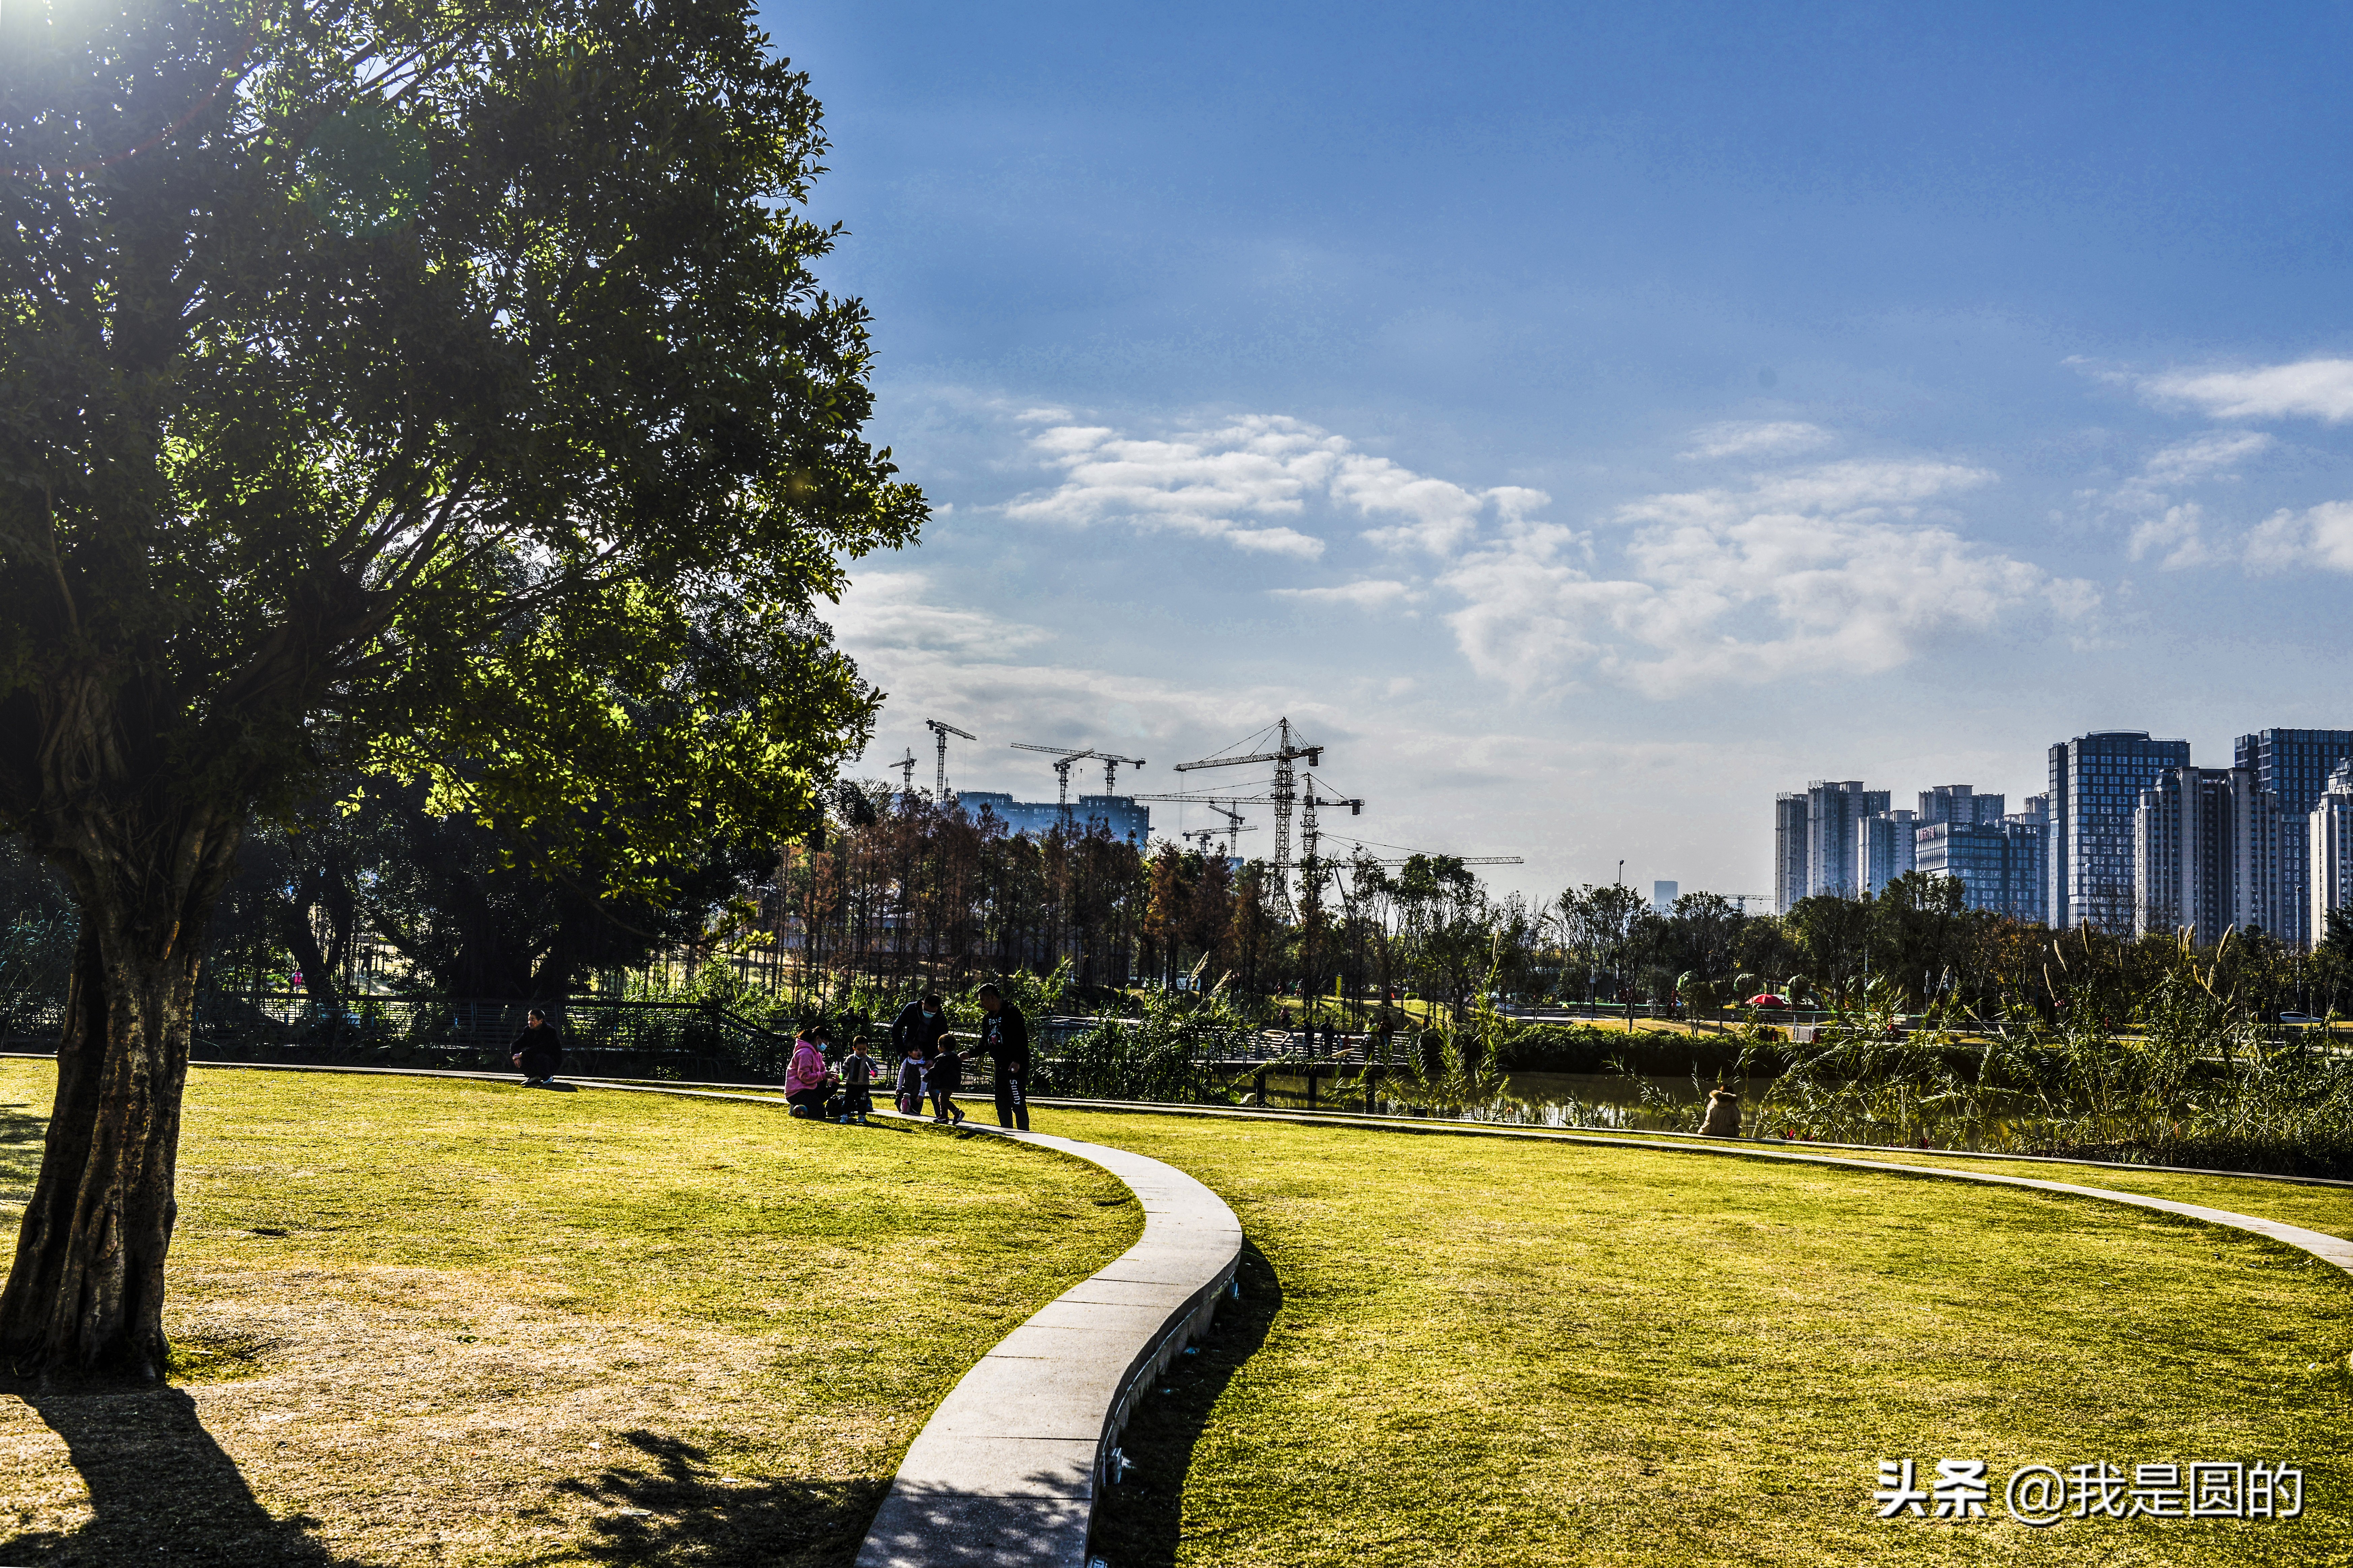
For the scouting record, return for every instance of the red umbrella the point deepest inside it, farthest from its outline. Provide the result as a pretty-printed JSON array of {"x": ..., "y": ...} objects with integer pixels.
[{"x": 1766, "y": 999}]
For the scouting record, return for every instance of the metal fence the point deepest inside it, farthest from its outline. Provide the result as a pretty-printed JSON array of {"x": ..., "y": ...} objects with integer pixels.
[{"x": 601, "y": 1035}]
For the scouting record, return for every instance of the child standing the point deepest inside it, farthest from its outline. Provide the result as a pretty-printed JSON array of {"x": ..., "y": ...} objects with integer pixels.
[
  {"x": 911, "y": 1082},
  {"x": 858, "y": 1071},
  {"x": 944, "y": 1076}
]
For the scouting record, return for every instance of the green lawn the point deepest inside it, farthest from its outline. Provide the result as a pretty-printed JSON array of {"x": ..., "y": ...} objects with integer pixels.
[
  {"x": 497, "y": 1321},
  {"x": 1479, "y": 1351},
  {"x": 457, "y": 1322}
]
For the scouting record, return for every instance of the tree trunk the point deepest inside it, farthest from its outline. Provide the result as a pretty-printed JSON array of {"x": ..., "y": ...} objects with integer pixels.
[{"x": 86, "y": 1292}]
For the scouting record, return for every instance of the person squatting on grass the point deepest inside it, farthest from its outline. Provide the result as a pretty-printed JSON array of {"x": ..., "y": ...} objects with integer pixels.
[
  {"x": 858, "y": 1070},
  {"x": 943, "y": 1076},
  {"x": 538, "y": 1051},
  {"x": 1005, "y": 1037},
  {"x": 808, "y": 1082}
]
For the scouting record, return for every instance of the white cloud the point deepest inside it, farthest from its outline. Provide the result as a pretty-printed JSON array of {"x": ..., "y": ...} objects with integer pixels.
[
  {"x": 2177, "y": 535},
  {"x": 1826, "y": 568},
  {"x": 2215, "y": 453},
  {"x": 1367, "y": 593},
  {"x": 2171, "y": 530},
  {"x": 892, "y": 609},
  {"x": 1756, "y": 439},
  {"x": 2315, "y": 388},
  {"x": 1229, "y": 481},
  {"x": 1822, "y": 571},
  {"x": 2318, "y": 536}
]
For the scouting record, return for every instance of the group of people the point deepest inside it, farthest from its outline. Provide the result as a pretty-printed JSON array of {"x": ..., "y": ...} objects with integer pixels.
[{"x": 931, "y": 1068}]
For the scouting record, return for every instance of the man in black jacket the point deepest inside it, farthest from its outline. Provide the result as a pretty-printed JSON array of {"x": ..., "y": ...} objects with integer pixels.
[
  {"x": 1005, "y": 1035},
  {"x": 920, "y": 1027},
  {"x": 538, "y": 1051}
]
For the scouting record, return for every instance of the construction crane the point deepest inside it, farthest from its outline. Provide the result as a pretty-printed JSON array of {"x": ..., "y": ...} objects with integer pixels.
[
  {"x": 1112, "y": 761},
  {"x": 1282, "y": 797},
  {"x": 943, "y": 731},
  {"x": 1063, "y": 757},
  {"x": 1458, "y": 859},
  {"x": 1208, "y": 836},
  {"x": 1111, "y": 770},
  {"x": 1310, "y": 865},
  {"x": 906, "y": 766},
  {"x": 1233, "y": 824}
]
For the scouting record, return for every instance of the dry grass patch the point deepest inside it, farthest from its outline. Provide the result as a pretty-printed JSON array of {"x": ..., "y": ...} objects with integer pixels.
[{"x": 429, "y": 1322}]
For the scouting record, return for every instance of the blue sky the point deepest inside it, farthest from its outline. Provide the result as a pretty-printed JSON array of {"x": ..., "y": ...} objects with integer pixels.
[{"x": 1589, "y": 423}]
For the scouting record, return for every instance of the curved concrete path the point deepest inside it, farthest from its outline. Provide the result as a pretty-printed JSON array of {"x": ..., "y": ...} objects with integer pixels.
[{"x": 1007, "y": 1469}]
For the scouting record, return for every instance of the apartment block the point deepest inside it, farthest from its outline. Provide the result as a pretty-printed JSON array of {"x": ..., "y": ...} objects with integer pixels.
[
  {"x": 2210, "y": 855},
  {"x": 2096, "y": 781},
  {"x": 2001, "y": 864}
]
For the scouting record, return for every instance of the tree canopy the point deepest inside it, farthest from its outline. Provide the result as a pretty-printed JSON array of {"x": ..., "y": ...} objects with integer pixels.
[{"x": 439, "y": 392}]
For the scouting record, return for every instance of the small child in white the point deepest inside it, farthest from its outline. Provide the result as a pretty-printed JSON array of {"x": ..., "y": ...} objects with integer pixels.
[
  {"x": 911, "y": 1082},
  {"x": 858, "y": 1070}
]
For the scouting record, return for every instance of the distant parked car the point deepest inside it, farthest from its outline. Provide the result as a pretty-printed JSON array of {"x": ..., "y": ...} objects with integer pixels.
[{"x": 2298, "y": 1018}]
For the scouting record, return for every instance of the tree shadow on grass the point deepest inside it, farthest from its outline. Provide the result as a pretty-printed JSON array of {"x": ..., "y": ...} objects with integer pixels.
[
  {"x": 161, "y": 1490},
  {"x": 21, "y": 1134},
  {"x": 1138, "y": 1523},
  {"x": 674, "y": 1508}
]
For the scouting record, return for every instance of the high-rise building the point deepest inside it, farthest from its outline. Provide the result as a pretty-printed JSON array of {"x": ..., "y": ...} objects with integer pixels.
[
  {"x": 1664, "y": 896},
  {"x": 2294, "y": 765},
  {"x": 2096, "y": 784},
  {"x": 1832, "y": 808},
  {"x": 2328, "y": 854},
  {"x": 1958, "y": 802},
  {"x": 2208, "y": 854},
  {"x": 1882, "y": 849},
  {"x": 1999, "y": 864},
  {"x": 2034, "y": 809},
  {"x": 1789, "y": 851}
]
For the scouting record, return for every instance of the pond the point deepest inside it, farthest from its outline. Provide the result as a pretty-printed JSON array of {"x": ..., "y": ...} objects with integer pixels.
[{"x": 1531, "y": 1099}]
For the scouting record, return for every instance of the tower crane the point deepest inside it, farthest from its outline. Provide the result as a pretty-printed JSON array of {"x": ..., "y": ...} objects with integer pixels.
[
  {"x": 1307, "y": 832},
  {"x": 906, "y": 766},
  {"x": 1233, "y": 824},
  {"x": 1063, "y": 757},
  {"x": 1208, "y": 836},
  {"x": 943, "y": 731},
  {"x": 1285, "y": 793},
  {"x": 1111, "y": 770}
]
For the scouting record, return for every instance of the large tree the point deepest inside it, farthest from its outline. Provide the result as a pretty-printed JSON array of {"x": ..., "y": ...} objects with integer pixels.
[{"x": 439, "y": 390}]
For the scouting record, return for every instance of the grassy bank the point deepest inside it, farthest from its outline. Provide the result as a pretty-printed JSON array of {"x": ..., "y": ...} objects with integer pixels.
[
  {"x": 452, "y": 1323},
  {"x": 1483, "y": 1353}
]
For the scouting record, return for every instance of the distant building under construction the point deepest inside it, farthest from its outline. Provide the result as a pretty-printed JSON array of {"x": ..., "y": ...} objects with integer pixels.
[{"x": 1121, "y": 816}]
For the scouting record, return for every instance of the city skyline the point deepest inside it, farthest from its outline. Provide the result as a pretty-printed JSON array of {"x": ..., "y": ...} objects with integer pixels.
[{"x": 1584, "y": 424}]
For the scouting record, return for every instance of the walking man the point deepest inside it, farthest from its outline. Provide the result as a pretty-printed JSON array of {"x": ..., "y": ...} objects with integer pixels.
[{"x": 1005, "y": 1035}]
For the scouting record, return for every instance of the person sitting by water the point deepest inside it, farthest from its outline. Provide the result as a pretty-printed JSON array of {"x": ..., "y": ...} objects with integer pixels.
[
  {"x": 538, "y": 1051},
  {"x": 809, "y": 1083}
]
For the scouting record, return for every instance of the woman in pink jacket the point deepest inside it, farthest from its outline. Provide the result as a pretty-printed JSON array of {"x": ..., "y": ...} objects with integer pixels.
[{"x": 808, "y": 1084}]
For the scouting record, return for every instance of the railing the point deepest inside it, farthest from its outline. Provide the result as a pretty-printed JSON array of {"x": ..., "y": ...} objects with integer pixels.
[{"x": 601, "y": 1035}]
